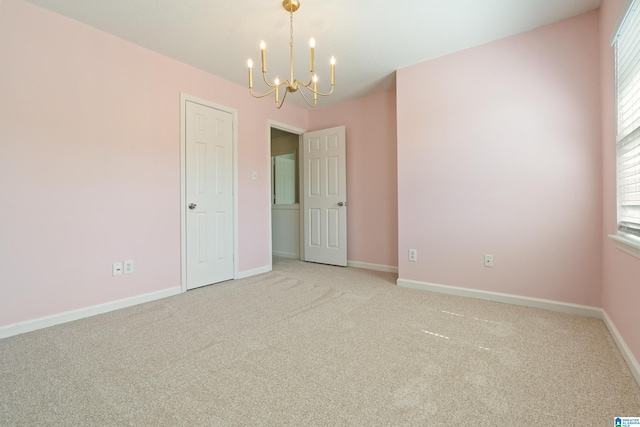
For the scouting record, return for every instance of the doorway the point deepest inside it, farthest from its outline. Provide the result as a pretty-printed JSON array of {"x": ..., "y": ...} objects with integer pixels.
[
  {"x": 285, "y": 193},
  {"x": 314, "y": 227}
]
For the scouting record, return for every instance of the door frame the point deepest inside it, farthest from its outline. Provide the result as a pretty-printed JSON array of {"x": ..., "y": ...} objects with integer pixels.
[
  {"x": 298, "y": 131},
  {"x": 183, "y": 181}
]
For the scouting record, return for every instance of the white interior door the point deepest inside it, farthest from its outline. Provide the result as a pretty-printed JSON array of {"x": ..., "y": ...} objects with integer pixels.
[
  {"x": 209, "y": 195},
  {"x": 325, "y": 196}
]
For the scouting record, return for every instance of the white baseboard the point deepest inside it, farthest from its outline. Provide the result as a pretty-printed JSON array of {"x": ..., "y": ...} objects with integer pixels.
[
  {"x": 632, "y": 362},
  {"x": 254, "y": 272},
  {"x": 286, "y": 255},
  {"x": 563, "y": 307},
  {"x": 376, "y": 267},
  {"x": 81, "y": 313}
]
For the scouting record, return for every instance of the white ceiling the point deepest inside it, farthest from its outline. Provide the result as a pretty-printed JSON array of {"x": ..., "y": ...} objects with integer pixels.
[{"x": 369, "y": 38}]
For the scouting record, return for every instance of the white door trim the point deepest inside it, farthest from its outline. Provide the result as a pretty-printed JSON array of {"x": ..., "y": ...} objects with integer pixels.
[
  {"x": 183, "y": 182},
  {"x": 299, "y": 132}
]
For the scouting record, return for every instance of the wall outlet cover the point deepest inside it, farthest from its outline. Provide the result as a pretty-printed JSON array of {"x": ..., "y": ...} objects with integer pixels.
[{"x": 128, "y": 266}]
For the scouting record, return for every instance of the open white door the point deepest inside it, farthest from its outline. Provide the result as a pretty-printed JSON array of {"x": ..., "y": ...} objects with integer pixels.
[
  {"x": 209, "y": 195},
  {"x": 325, "y": 196}
]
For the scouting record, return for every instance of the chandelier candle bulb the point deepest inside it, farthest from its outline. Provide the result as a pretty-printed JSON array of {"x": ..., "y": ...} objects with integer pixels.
[
  {"x": 263, "y": 52},
  {"x": 250, "y": 65},
  {"x": 312, "y": 44},
  {"x": 333, "y": 70},
  {"x": 315, "y": 87}
]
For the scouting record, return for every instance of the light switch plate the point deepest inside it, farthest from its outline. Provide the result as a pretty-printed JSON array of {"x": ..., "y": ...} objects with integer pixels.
[{"x": 488, "y": 260}]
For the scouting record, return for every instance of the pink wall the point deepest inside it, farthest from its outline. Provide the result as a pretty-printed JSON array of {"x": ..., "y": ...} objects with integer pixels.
[
  {"x": 499, "y": 153},
  {"x": 372, "y": 219},
  {"x": 90, "y": 164},
  {"x": 621, "y": 271}
]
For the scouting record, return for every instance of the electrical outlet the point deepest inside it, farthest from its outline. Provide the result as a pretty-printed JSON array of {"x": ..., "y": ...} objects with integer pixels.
[
  {"x": 488, "y": 260},
  {"x": 116, "y": 269},
  {"x": 413, "y": 255},
  {"x": 128, "y": 266}
]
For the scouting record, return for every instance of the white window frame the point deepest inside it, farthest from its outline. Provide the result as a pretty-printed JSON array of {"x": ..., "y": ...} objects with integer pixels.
[{"x": 627, "y": 62}]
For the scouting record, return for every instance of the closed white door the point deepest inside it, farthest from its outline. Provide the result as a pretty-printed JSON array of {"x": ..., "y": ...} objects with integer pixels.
[
  {"x": 325, "y": 196},
  {"x": 209, "y": 195}
]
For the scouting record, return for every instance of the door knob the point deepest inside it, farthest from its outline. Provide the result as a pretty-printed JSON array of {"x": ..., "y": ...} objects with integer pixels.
[
  {"x": 192, "y": 205},
  {"x": 341, "y": 204}
]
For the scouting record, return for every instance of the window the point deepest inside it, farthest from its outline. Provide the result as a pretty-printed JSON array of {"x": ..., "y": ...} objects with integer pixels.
[{"x": 627, "y": 49}]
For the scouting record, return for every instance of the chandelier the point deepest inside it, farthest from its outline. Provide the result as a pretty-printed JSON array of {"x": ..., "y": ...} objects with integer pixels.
[{"x": 291, "y": 84}]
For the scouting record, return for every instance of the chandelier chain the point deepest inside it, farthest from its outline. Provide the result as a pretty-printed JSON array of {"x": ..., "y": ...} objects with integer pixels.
[{"x": 291, "y": 28}]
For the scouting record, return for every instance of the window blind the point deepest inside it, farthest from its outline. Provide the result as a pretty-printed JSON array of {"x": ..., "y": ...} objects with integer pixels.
[{"x": 627, "y": 48}]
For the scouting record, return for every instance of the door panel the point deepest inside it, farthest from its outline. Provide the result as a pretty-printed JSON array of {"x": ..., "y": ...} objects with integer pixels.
[
  {"x": 209, "y": 191},
  {"x": 314, "y": 177},
  {"x": 314, "y": 227},
  {"x": 325, "y": 192}
]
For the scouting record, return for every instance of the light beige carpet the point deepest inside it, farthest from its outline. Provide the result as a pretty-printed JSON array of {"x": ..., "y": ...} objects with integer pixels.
[{"x": 314, "y": 345}]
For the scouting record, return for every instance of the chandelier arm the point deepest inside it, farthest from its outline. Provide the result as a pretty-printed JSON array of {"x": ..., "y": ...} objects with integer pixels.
[
  {"x": 263, "y": 95},
  {"x": 273, "y": 85},
  {"x": 315, "y": 102},
  {"x": 278, "y": 106},
  {"x": 323, "y": 94},
  {"x": 307, "y": 86}
]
